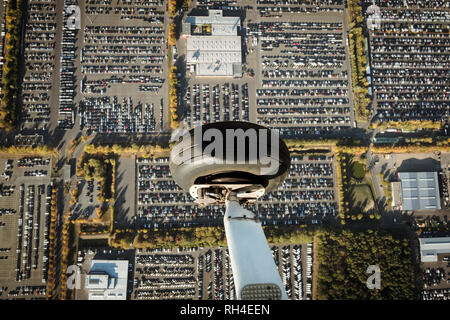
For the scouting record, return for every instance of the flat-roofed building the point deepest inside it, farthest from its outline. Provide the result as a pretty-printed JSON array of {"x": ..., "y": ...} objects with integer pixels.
[
  {"x": 67, "y": 172},
  {"x": 216, "y": 49},
  {"x": 107, "y": 280},
  {"x": 220, "y": 25},
  {"x": 419, "y": 191},
  {"x": 431, "y": 247}
]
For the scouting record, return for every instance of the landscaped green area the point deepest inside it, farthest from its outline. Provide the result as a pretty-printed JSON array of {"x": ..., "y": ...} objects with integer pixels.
[
  {"x": 102, "y": 169},
  {"x": 343, "y": 259},
  {"x": 363, "y": 198},
  {"x": 355, "y": 186}
]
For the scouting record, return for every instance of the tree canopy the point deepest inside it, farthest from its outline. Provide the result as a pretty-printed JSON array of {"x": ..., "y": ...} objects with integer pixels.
[{"x": 344, "y": 256}]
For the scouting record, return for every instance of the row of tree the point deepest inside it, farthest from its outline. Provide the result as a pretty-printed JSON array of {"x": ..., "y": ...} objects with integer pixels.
[
  {"x": 438, "y": 144},
  {"x": 172, "y": 39},
  {"x": 353, "y": 146},
  {"x": 173, "y": 97},
  {"x": 343, "y": 260},
  {"x": 38, "y": 150},
  {"x": 410, "y": 125},
  {"x": 52, "y": 246},
  {"x": 174, "y": 5},
  {"x": 144, "y": 150},
  {"x": 93, "y": 228},
  {"x": 201, "y": 237},
  {"x": 10, "y": 81},
  {"x": 65, "y": 249}
]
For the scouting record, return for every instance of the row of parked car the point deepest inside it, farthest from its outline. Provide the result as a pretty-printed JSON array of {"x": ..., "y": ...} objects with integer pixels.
[
  {"x": 204, "y": 103},
  {"x": 39, "y": 54},
  {"x": 436, "y": 294},
  {"x": 68, "y": 85},
  {"x": 305, "y": 87},
  {"x": 162, "y": 276},
  {"x": 121, "y": 54},
  {"x": 30, "y": 162},
  {"x": 409, "y": 61},
  {"x": 109, "y": 114}
]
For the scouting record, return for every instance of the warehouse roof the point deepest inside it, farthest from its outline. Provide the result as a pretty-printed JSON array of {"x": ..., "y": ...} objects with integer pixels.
[
  {"x": 215, "y": 55},
  {"x": 420, "y": 190},
  {"x": 431, "y": 247},
  {"x": 214, "y": 43}
]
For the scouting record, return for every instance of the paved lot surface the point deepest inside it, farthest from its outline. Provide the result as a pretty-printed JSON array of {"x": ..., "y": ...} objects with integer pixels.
[
  {"x": 40, "y": 84},
  {"x": 87, "y": 201},
  {"x": 125, "y": 202},
  {"x": 24, "y": 222}
]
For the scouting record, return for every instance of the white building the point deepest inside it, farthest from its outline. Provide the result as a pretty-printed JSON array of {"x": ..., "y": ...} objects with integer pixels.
[
  {"x": 431, "y": 247},
  {"x": 107, "y": 280},
  {"x": 218, "y": 53}
]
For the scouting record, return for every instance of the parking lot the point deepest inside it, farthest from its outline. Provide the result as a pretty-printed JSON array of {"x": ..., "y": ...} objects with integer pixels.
[
  {"x": 24, "y": 226},
  {"x": 436, "y": 278},
  {"x": 296, "y": 70},
  {"x": 207, "y": 101},
  {"x": 39, "y": 81},
  {"x": 308, "y": 193},
  {"x": 123, "y": 66},
  {"x": 205, "y": 273},
  {"x": 111, "y": 73},
  {"x": 409, "y": 59}
]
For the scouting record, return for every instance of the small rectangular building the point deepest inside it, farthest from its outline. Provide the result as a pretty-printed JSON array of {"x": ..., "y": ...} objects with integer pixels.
[
  {"x": 220, "y": 24},
  {"x": 431, "y": 247},
  {"x": 67, "y": 172}
]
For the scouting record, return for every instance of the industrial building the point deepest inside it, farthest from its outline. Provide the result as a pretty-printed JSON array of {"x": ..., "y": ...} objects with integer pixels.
[
  {"x": 107, "y": 280},
  {"x": 431, "y": 247},
  {"x": 213, "y": 46},
  {"x": 418, "y": 191}
]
